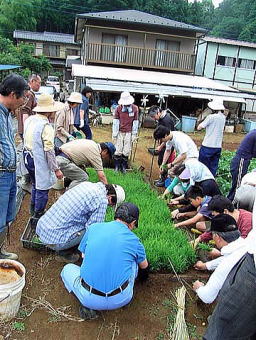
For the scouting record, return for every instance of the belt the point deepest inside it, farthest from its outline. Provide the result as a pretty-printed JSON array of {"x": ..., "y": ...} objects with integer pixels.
[
  {"x": 98, "y": 292},
  {"x": 62, "y": 154},
  {"x": 7, "y": 169}
]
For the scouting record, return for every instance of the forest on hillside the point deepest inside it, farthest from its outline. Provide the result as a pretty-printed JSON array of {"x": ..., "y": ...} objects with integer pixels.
[{"x": 233, "y": 19}]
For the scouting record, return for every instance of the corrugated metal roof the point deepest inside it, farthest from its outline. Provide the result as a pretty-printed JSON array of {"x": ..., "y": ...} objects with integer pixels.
[
  {"x": 8, "y": 67},
  {"x": 230, "y": 42},
  {"x": 140, "y": 18},
  {"x": 45, "y": 36}
]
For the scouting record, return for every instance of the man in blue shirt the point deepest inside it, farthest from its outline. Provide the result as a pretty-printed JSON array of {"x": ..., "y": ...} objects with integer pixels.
[
  {"x": 81, "y": 113},
  {"x": 240, "y": 163},
  {"x": 13, "y": 91},
  {"x": 111, "y": 257}
]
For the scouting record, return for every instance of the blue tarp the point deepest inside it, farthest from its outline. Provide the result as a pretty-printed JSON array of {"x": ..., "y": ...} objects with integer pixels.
[{"x": 8, "y": 67}]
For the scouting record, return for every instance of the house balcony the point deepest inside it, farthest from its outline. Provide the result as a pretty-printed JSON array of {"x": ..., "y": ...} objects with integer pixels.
[{"x": 140, "y": 57}]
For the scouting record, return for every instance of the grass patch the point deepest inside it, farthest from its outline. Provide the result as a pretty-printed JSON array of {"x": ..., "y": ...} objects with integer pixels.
[{"x": 163, "y": 243}]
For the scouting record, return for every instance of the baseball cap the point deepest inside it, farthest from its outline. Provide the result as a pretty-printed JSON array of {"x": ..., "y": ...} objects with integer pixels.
[
  {"x": 111, "y": 148},
  {"x": 223, "y": 223},
  {"x": 132, "y": 211}
]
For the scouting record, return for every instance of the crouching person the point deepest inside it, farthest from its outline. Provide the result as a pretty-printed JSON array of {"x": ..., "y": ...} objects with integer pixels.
[
  {"x": 39, "y": 155},
  {"x": 106, "y": 278},
  {"x": 63, "y": 226}
]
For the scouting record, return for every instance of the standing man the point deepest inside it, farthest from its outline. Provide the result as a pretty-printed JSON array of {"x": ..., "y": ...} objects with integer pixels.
[
  {"x": 13, "y": 91},
  {"x": 125, "y": 130},
  {"x": 39, "y": 154},
  {"x": 241, "y": 161},
  {"x": 64, "y": 121},
  {"x": 163, "y": 118},
  {"x": 34, "y": 82},
  {"x": 82, "y": 153},
  {"x": 214, "y": 124},
  {"x": 64, "y": 224},
  {"x": 81, "y": 113},
  {"x": 106, "y": 278}
]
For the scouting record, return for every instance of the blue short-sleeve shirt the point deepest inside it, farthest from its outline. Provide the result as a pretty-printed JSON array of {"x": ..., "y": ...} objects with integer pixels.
[
  {"x": 204, "y": 209},
  {"x": 110, "y": 249}
]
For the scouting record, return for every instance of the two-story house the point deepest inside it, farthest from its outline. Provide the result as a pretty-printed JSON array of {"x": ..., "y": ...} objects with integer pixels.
[
  {"x": 146, "y": 55},
  {"x": 232, "y": 63},
  {"x": 55, "y": 46}
]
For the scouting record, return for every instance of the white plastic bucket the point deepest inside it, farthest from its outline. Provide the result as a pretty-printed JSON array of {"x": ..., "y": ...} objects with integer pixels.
[{"x": 10, "y": 293}]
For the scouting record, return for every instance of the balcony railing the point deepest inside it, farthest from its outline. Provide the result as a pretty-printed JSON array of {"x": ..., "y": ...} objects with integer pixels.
[{"x": 140, "y": 57}]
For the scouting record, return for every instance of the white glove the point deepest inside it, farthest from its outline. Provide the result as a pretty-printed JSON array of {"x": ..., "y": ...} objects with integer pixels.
[
  {"x": 81, "y": 124},
  {"x": 134, "y": 138}
]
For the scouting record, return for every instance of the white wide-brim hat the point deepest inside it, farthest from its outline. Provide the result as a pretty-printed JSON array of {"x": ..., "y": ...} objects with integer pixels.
[
  {"x": 75, "y": 97},
  {"x": 216, "y": 105},
  {"x": 45, "y": 103},
  {"x": 126, "y": 98}
]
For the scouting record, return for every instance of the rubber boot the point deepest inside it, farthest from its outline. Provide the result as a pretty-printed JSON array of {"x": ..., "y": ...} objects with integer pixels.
[
  {"x": 124, "y": 164},
  {"x": 161, "y": 181},
  {"x": 3, "y": 254},
  {"x": 87, "y": 313},
  {"x": 32, "y": 209},
  {"x": 117, "y": 161},
  {"x": 34, "y": 219}
]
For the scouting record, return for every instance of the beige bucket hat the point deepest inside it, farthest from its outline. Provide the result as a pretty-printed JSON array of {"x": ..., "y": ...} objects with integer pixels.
[
  {"x": 126, "y": 98},
  {"x": 75, "y": 97},
  {"x": 45, "y": 103}
]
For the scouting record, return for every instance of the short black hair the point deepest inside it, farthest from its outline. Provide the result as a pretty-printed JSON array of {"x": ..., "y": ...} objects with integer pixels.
[
  {"x": 86, "y": 89},
  {"x": 219, "y": 203},
  {"x": 161, "y": 132},
  {"x": 127, "y": 212},
  {"x": 103, "y": 147},
  {"x": 111, "y": 191},
  {"x": 153, "y": 110},
  {"x": 13, "y": 83},
  {"x": 194, "y": 191},
  {"x": 178, "y": 169}
]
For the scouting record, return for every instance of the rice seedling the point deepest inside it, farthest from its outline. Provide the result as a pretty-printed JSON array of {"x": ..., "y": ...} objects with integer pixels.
[{"x": 162, "y": 241}]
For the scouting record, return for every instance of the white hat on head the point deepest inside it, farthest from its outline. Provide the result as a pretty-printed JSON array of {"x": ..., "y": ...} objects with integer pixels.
[
  {"x": 120, "y": 194},
  {"x": 126, "y": 98},
  {"x": 216, "y": 105},
  {"x": 75, "y": 97},
  {"x": 45, "y": 104}
]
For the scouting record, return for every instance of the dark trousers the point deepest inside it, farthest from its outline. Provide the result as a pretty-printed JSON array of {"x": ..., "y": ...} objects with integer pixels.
[
  {"x": 86, "y": 130},
  {"x": 210, "y": 187},
  {"x": 234, "y": 317},
  {"x": 210, "y": 157},
  {"x": 39, "y": 198},
  {"x": 238, "y": 169}
]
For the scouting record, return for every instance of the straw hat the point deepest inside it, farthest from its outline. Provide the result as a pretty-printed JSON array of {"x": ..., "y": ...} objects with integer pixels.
[
  {"x": 126, "y": 98},
  {"x": 216, "y": 105},
  {"x": 75, "y": 97},
  {"x": 45, "y": 103}
]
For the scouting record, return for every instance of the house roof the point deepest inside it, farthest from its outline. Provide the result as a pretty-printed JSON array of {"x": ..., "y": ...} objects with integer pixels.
[
  {"x": 133, "y": 16},
  {"x": 45, "y": 36},
  {"x": 230, "y": 42},
  {"x": 8, "y": 67}
]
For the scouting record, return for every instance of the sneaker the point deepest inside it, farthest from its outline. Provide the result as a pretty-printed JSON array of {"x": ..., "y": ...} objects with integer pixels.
[
  {"x": 159, "y": 183},
  {"x": 87, "y": 313}
]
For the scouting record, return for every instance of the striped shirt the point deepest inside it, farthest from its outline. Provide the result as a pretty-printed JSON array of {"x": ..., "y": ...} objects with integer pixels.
[
  {"x": 74, "y": 211},
  {"x": 7, "y": 144}
]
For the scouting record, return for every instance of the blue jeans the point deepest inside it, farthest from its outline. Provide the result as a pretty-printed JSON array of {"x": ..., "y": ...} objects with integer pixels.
[
  {"x": 8, "y": 188},
  {"x": 86, "y": 130},
  {"x": 210, "y": 157},
  {"x": 39, "y": 198},
  {"x": 71, "y": 277},
  {"x": 69, "y": 244}
]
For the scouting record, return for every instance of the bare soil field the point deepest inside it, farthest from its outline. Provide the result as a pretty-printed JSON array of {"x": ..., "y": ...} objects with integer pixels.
[{"x": 49, "y": 311}]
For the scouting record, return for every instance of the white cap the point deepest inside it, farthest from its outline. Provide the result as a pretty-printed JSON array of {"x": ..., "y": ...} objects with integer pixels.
[
  {"x": 75, "y": 97},
  {"x": 120, "y": 194},
  {"x": 216, "y": 105}
]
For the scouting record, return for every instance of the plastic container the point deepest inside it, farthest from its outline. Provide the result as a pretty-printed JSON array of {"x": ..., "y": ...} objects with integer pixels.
[
  {"x": 188, "y": 123},
  {"x": 249, "y": 125},
  {"x": 10, "y": 293}
]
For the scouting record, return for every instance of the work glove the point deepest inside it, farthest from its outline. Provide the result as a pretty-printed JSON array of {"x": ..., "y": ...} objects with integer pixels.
[
  {"x": 134, "y": 138},
  {"x": 81, "y": 124}
]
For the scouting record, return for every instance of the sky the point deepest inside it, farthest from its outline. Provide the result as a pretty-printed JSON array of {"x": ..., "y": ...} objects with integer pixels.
[{"x": 215, "y": 2}]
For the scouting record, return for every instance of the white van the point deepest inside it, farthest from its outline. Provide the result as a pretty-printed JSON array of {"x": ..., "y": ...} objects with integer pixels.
[{"x": 54, "y": 81}]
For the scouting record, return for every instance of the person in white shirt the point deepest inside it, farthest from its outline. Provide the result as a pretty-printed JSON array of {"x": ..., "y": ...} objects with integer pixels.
[
  {"x": 214, "y": 125},
  {"x": 233, "y": 282},
  {"x": 182, "y": 143}
]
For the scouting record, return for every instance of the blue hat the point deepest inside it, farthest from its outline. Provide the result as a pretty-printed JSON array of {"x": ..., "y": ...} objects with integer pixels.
[{"x": 111, "y": 148}]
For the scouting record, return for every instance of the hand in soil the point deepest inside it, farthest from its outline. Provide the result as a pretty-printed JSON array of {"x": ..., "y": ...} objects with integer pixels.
[
  {"x": 200, "y": 266},
  {"x": 197, "y": 284}
]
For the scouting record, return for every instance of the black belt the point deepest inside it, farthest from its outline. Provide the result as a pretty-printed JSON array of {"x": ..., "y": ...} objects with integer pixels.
[
  {"x": 62, "y": 154},
  {"x": 98, "y": 292},
  {"x": 7, "y": 169}
]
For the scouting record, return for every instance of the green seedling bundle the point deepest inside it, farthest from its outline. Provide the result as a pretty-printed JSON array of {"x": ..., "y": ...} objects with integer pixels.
[{"x": 163, "y": 243}]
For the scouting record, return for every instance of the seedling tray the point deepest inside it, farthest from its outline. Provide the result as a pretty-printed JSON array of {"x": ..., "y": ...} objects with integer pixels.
[{"x": 28, "y": 242}]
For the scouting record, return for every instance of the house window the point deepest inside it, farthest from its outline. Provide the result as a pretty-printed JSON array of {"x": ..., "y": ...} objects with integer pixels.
[
  {"x": 51, "y": 50},
  {"x": 71, "y": 51},
  {"x": 247, "y": 63},
  {"x": 164, "y": 55},
  {"x": 226, "y": 61},
  {"x": 114, "y": 47}
]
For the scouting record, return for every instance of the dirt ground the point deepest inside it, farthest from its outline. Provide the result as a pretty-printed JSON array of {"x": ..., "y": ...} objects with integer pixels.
[{"x": 151, "y": 312}]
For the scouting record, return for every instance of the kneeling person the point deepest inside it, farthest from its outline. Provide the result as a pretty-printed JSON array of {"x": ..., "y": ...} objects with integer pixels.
[{"x": 106, "y": 278}]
